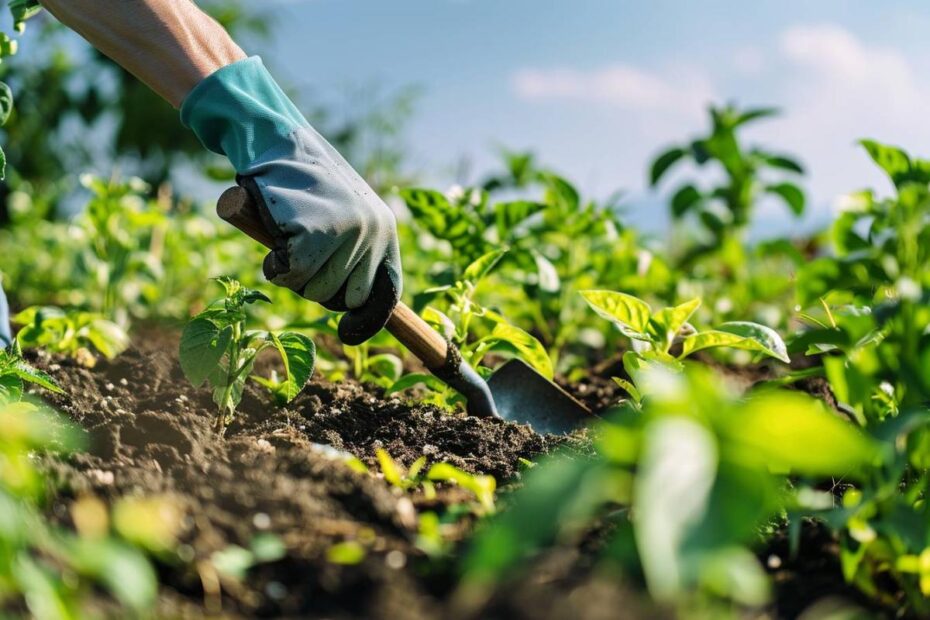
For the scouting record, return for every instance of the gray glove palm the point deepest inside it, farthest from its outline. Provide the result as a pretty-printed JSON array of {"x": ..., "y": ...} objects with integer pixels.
[{"x": 336, "y": 240}]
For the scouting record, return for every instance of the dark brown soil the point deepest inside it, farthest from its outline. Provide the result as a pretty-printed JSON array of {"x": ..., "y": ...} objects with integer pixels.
[{"x": 150, "y": 433}]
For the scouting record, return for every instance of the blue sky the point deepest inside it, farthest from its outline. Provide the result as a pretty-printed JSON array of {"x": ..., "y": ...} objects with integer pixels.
[{"x": 597, "y": 87}]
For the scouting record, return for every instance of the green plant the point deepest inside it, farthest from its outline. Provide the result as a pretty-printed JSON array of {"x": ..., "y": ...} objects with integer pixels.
[
  {"x": 124, "y": 232},
  {"x": 15, "y": 372},
  {"x": 217, "y": 348},
  {"x": 726, "y": 209},
  {"x": 687, "y": 482},
  {"x": 666, "y": 337},
  {"x": 459, "y": 324},
  {"x": 45, "y": 569},
  {"x": 71, "y": 332}
]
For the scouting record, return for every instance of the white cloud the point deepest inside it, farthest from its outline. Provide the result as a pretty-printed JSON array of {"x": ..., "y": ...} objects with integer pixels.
[
  {"x": 622, "y": 85},
  {"x": 840, "y": 88}
]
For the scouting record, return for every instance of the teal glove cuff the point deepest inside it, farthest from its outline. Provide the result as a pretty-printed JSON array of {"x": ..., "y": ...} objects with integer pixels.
[{"x": 240, "y": 112}]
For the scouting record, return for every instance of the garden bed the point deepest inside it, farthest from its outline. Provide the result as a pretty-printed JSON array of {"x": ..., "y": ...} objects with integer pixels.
[{"x": 150, "y": 433}]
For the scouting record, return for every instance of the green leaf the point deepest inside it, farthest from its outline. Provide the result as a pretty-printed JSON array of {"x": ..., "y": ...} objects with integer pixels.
[
  {"x": 11, "y": 388},
  {"x": 786, "y": 430},
  {"x": 672, "y": 488},
  {"x": 483, "y": 487},
  {"x": 481, "y": 267},
  {"x": 408, "y": 381},
  {"x": 782, "y": 162},
  {"x": 23, "y": 10},
  {"x": 6, "y": 103},
  {"x": 738, "y": 335},
  {"x": 347, "y": 553},
  {"x": 107, "y": 337},
  {"x": 299, "y": 356},
  {"x": 684, "y": 199},
  {"x": 267, "y": 547},
  {"x": 549, "y": 281},
  {"x": 33, "y": 375},
  {"x": 440, "y": 321},
  {"x": 765, "y": 338},
  {"x": 389, "y": 468},
  {"x": 628, "y": 313},
  {"x": 203, "y": 345},
  {"x": 663, "y": 162},
  {"x": 430, "y": 209},
  {"x": 666, "y": 323},
  {"x": 250, "y": 296},
  {"x": 791, "y": 194},
  {"x": 509, "y": 215},
  {"x": 754, "y": 114},
  {"x": 530, "y": 349},
  {"x": 896, "y": 163}
]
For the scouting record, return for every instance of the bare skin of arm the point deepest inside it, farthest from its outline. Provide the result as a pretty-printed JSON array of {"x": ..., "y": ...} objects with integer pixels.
[{"x": 171, "y": 45}]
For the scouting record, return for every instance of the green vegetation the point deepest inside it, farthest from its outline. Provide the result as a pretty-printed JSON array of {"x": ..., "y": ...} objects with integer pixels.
[
  {"x": 755, "y": 388},
  {"x": 217, "y": 348}
]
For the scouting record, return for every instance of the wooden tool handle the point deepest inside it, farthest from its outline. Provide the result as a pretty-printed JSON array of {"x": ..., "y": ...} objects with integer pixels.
[{"x": 237, "y": 207}]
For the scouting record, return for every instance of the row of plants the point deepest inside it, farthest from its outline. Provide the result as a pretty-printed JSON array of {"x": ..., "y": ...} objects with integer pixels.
[{"x": 692, "y": 475}]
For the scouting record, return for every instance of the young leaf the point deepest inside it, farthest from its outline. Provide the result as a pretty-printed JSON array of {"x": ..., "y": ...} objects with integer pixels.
[
  {"x": 299, "y": 356},
  {"x": 894, "y": 161},
  {"x": 6, "y": 103},
  {"x": 509, "y": 215},
  {"x": 666, "y": 323},
  {"x": 663, "y": 162},
  {"x": 408, "y": 381},
  {"x": 765, "y": 338},
  {"x": 782, "y": 162},
  {"x": 738, "y": 335},
  {"x": 530, "y": 349},
  {"x": 11, "y": 388},
  {"x": 628, "y": 313},
  {"x": 754, "y": 114},
  {"x": 33, "y": 375},
  {"x": 684, "y": 199},
  {"x": 481, "y": 267},
  {"x": 787, "y": 430},
  {"x": 431, "y": 209},
  {"x": 791, "y": 194},
  {"x": 549, "y": 280},
  {"x": 203, "y": 345}
]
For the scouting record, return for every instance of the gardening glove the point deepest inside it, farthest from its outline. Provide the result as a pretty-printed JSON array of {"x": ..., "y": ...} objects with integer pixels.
[
  {"x": 335, "y": 239},
  {"x": 6, "y": 338}
]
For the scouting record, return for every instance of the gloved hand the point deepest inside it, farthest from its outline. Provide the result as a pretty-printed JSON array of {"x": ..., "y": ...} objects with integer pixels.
[
  {"x": 336, "y": 240},
  {"x": 6, "y": 338}
]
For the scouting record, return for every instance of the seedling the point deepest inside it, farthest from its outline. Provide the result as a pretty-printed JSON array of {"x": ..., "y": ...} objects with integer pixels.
[
  {"x": 476, "y": 331},
  {"x": 666, "y": 337},
  {"x": 217, "y": 348},
  {"x": 70, "y": 332}
]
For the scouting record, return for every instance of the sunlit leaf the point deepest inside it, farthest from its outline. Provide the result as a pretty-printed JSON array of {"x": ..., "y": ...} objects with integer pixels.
[
  {"x": 628, "y": 313},
  {"x": 203, "y": 345}
]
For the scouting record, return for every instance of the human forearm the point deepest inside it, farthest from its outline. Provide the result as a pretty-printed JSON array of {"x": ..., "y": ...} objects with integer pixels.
[{"x": 171, "y": 45}]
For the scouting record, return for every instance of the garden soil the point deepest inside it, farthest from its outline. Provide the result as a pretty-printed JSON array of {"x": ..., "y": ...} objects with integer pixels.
[{"x": 150, "y": 433}]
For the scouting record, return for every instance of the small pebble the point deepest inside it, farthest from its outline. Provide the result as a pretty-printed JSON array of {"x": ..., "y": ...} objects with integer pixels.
[
  {"x": 123, "y": 382},
  {"x": 774, "y": 562},
  {"x": 261, "y": 520},
  {"x": 109, "y": 387},
  {"x": 395, "y": 559},
  {"x": 186, "y": 553}
]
